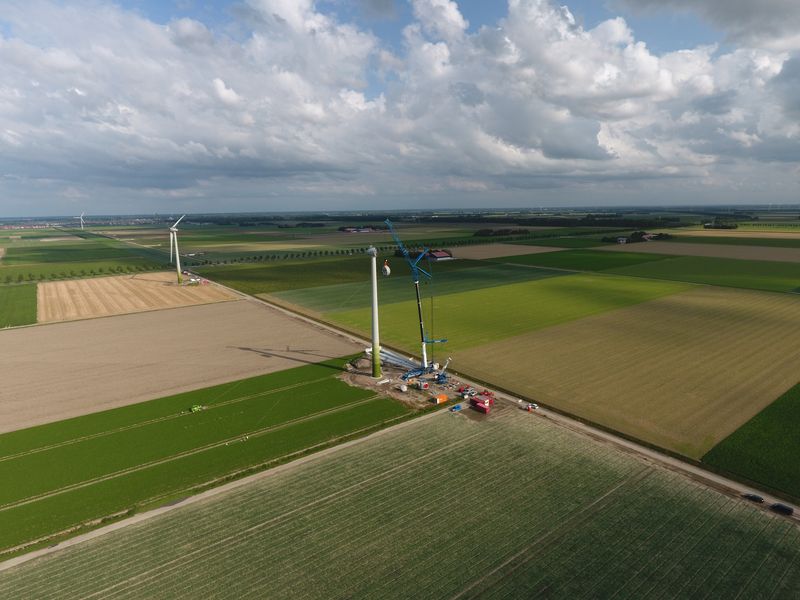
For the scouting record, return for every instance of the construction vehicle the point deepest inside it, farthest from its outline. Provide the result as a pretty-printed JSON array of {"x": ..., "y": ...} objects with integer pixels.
[
  {"x": 413, "y": 263},
  {"x": 441, "y": 377}
]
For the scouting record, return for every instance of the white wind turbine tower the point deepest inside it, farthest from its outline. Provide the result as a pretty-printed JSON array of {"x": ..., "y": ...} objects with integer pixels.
[
  {"x": 81, "y": 218},
  {"x": 173, "y": 243}
]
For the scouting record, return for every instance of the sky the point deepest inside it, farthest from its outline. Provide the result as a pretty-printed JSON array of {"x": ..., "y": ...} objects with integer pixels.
[{"x": 164, "y": 106}]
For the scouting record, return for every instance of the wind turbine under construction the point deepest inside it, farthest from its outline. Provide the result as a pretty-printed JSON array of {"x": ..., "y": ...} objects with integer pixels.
[{"x": 173, "y": 244}]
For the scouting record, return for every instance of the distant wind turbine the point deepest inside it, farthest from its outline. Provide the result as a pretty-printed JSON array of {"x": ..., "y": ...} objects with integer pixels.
[
  {"x": 81, "y": 218},
  {"x": 173, "y": 242}
]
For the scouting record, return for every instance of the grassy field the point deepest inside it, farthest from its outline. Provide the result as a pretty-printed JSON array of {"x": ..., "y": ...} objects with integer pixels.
[
  {"x": 584, "y": 260},
  {"x": 449, "y": 278},
  {"x": 568, "y": 242},
  {"x": 751, "y": 274},
  {"x": 682, "y": 372},
  {"x": 481, "y": 316},
  {"x": 445, "y": 507},
  {"x": 61, "y": 256},
  {"x": 766, "y": 448},
  {"x": 17, "y": 305},
  {"x": 739, "y": 241},
  {"x": 71, "y": 472}
]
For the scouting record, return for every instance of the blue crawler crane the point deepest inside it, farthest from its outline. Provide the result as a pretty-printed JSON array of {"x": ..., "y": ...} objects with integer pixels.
[{"x": 413, "y": 263}]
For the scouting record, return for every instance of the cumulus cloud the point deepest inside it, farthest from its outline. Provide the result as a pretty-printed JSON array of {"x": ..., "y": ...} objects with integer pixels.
[
  {"x": 769, "y": 23},
  {"x": 99, "y": 102}
]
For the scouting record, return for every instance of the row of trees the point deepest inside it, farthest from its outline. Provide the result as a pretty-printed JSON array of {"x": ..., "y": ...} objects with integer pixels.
[{"x": 73, "y": 273}]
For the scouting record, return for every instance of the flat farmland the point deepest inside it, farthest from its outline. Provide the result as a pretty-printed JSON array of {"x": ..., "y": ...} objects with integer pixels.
[
  {"x": 766, "y": 448},
  {"x": 105, "y": 296},
  {"x": 483, "y": 251},
  {"x": 747, "y": 252},
  {"x": 682, "y": 372},
  {"x": 17, "y": 305},
  {"x": 442, "y": 507},
  {"x": 751, "y": 274},
  {"x": 71, "y": 473},
  {"x": 52, "y": 372},
  {"x": 484, "y": 315}
]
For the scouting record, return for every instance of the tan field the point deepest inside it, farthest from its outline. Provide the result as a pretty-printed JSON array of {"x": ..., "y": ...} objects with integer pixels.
[
  {"x": 105, "y": 296},
  {"x": 711, "y": 250},
  {"x": 681, "y": 372},
  {"x": 2, "y": 253},
  {"x": 500, "y": 250},
  {"x": 62, "y": 370}
]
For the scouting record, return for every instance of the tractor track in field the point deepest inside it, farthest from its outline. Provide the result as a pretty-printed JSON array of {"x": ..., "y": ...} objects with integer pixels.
[
  {"x": 240, "y": 438},
  {"x": 156, "y": 420}
]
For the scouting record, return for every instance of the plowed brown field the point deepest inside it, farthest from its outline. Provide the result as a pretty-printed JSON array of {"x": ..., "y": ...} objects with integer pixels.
[
  {"x": 105, "y": 296},
  {"x": 681, "y": 372},
  {"x": 710, "y": 250},
  {"x": 500, "y": 250},
  {"x": 52, "y": 372}
]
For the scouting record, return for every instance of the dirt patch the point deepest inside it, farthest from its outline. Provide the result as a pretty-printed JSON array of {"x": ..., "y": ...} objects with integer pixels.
[
  {"x": 682, "y": 372},
  {"x": 710, "y": 250},
  {"x": 2, "y": 253},
  {"x": 105, "y": 296},
  {"x": 500, "y": 250},
  {"x": 70, "y": 238},
  {"x": 52, "y": 372}
]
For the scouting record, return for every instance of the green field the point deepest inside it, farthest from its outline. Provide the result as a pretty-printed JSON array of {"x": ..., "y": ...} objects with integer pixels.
[
  {"x": 449, "y": 278},
  {"x": 738, "y": 241},
  {"x": 749, "y": 274},
  {"x": 507, "y": 507},
  {"x": 17, "y": 305},
  {"x": 485, "y": 315},
  {"x": 568, "y": 242},
  {"x": 584, "y": 260},
  {"x": 71, "y": 472},
  {"x": 69, "y": 256},
  {"x": 766, "y": 449}
]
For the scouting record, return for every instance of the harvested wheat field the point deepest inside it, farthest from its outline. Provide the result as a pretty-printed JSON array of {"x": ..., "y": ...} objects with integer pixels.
[
  {"x": 483, "y": 251},
  {"x": 710, "y": 250},
  {"x": 62, "y": 370},
  {"x": 682, "y": 372},
  {"x": 105, "y": 296}
]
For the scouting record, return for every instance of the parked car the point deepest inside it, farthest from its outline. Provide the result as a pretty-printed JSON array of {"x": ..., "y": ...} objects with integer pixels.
[
  {"x": 753, "y": 498},
  {"x": 782, "y": 509}
]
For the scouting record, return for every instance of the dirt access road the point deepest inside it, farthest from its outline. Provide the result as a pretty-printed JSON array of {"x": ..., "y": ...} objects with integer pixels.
[{"x": 62, "y": 370}]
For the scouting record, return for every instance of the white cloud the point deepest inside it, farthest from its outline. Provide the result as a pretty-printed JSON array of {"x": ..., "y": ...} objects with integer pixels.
[{"x": 96, "y": 98}]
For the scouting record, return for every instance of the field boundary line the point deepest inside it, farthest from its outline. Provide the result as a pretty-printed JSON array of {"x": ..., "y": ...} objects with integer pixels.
[
  {"x": 156, "y": 420},
  {"x": 237, "y": 438},
  {"x": 210, "y": 493}
]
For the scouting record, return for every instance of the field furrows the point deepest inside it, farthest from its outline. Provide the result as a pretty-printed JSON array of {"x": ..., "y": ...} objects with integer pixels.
[
  {"x": 426, "y": 511},
  {"x": 637, "y": 369}
]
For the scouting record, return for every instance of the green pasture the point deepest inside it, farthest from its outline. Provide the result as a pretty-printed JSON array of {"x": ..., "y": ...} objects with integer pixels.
[
  {"x": 512, "y": 506},
  {"x": 567, "y": 242},
  {"x": 751, "y": 274},
  {"x": 33, "y": 259},
  {"x": 584, "y": 260},
  {"x": 738, "y": 241},
  {"x": 449, "y": 278},
  {"x": 71, "y": 472},
  {"x": 766, "y": 449},
  {"x": 17, "y": 305},
  {"x": 485, "y": 315}
]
